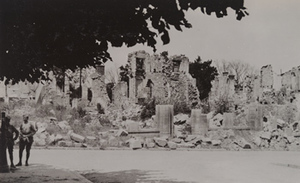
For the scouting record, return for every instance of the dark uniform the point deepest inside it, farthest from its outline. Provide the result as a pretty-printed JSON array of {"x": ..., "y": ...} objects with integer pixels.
[{"x": 11, "y": 135}]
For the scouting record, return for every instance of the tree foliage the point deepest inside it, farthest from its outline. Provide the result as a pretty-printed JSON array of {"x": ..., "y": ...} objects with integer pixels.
[
  {"x": 204, "y": 74},
  {"x": 39, "y": 34}
]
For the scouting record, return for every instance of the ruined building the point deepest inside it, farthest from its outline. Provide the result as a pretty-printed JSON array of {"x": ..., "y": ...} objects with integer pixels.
[
  {"x": 267, "y": 77},
  {"x": 66, "y": 89},
  {"x": 223, "y": 85},
  {"x": 157, "y": 76},
  {"x": 21, "y": 90}
]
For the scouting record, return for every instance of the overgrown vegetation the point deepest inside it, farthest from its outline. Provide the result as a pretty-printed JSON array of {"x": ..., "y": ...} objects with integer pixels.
[
  {"x": 221, "y": 104},
  {"x": 204, "y": 74},
  {"x": 148, "y": 109}
]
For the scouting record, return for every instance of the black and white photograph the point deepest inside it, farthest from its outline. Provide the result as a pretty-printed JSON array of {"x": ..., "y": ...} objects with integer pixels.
[{"x": 150, "y": 91}]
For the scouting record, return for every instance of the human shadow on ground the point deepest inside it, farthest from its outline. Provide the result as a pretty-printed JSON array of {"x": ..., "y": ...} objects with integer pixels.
[{"x": 129, "y": 176}]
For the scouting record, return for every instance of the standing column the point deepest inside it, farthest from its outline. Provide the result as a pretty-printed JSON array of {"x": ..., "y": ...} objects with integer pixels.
[
  {"x": 228, "y": 120},
  {"x": 199, "y": 122},
  {"x": 67, "y": 91},
  {"x": 255, "y": 117},
  {"x": 164, "y": 118}
]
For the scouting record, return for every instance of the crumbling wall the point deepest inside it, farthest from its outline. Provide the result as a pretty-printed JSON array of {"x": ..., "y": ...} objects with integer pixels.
[
  {"x": 99, "y": 93},
  {"x": 165, "y": 79},
  {"x": 267, "y": 77},
  {"x": 286, "y": 80},
  {"x": 183, "y": 63},
  {"x": 291, "y": 79},
  {"x": 160, "y": 88},
  {"x": 179, "y": 88},
  {"x": 277, "y": 82},
  {"x": 120, "y": 93}
]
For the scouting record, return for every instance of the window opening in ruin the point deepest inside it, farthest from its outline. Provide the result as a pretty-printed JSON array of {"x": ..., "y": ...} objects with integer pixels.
[
  {"x": 109, "y": 87},
  {"x": 150, "y": 86},
  {"x": 140, "y": 67},
  {"x": 176, "y": 65},
  {"x": 90, "y": 95},
  {"x": 137, "y": 83}
]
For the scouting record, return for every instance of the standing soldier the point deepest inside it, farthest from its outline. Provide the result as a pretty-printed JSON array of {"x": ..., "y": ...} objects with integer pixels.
[
  {"x": 27, "y": 130},
  {"x": 11, "y": 135}
]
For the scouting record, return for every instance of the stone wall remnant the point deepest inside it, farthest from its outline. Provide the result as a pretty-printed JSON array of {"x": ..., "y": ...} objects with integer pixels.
[
  {"x": 164, "y": 118},
  {"x": 199, "y": 122},
  {"x": 267, "y": 77},
  {"x": 255, "y": 116},
  {"x": 165, "y": 79}
]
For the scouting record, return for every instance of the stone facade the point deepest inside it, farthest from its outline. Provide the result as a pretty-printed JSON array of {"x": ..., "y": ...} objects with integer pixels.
[
  {"x": 267, "y": 77},
  {"x": 21, "y": 90},
  {"x": 98, "y": 88},
  {"x": 120, "y": 93},
  {"x": 165, "y": 79},
  {"x": 289, "y": 80}
]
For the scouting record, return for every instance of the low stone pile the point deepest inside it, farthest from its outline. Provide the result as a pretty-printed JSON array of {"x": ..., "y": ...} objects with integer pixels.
[{"x": 278, "y": 135}]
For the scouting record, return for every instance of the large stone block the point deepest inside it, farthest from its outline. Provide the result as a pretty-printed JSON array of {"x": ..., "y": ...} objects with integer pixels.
[
  {"x": 243, "y": 143},
  {"x": 77, "y": 137},
  {"x": 190, "y": 138},
  {"x": 135, "y": 144},
  {"x": 160, "y": 142},
  {"x": 266, "y": 135},
  {"x": 164, "y": 118},
  {"x": 198, "y": 122},
  {"x": 172, "y": 145}
]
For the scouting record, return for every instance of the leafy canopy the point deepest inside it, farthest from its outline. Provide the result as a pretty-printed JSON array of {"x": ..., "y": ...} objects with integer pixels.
[{"x": 37, "y": 35}]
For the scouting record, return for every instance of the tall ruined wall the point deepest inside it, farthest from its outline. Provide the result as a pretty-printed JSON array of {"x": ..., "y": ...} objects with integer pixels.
[
  {"x": 179, "y": 88},
  {"x": 120, "y": 93},
  {"x": 286, "y": 80},
  {"x": 296, "y": 70},
  {"x": 267, "y": 77},
  {"x": 291, "y": 79},
  {"x": 184, "y": 63},
  {"x": 99, "y": 93},
  {"x": 157, "y": 76},
  {"x": 160, "y": 88},
  {"x": 22, "y": 90},
  {"x": 277, "y": 82}
]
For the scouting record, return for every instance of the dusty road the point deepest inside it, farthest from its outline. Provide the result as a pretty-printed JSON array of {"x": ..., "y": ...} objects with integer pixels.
[{"x": 178, "y": 166}]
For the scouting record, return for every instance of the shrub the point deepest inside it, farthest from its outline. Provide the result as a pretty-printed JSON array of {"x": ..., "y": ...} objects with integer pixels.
[
  {"x": 148, "y": 109},
  {"x": 181, "y": 107},
  {"x": 221, "y": 104}
]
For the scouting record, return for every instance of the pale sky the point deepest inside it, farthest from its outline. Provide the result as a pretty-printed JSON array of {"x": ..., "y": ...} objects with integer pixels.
[{"x": 269, "y": 35}]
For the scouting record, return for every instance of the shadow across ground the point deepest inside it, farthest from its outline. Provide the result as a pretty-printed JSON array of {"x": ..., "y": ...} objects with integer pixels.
[{"x": 128, "y": 176}]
